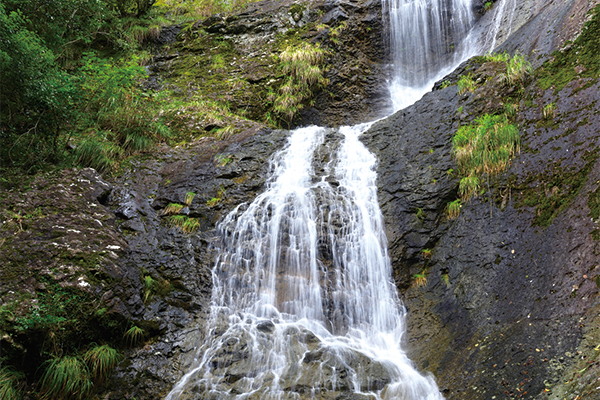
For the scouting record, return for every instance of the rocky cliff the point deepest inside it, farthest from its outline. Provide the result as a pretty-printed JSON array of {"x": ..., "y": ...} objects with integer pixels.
[
  {"x": 510, "y": 308},
  {"x": 510, "y": 304}
]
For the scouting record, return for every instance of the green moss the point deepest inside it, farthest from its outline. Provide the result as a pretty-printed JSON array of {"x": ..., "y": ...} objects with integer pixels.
[
  {"x": 296, "y": 11},
  {"x": 554, "y": 191},
  {"x": 582, "y": 56}
]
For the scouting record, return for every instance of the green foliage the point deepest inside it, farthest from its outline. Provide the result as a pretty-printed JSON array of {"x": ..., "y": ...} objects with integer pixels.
[
  {"x": 494, "y": 57},
  {"x": 222, "y": 160},
  {"x": 154, "y": 287},
  {"x": 420, "y": 214},
  {"x": 466, "y": 83},
  {"x": 426, "y": 253},
  {"x": 65, "y": 378},
  {"x": 215, "y": 200},
  {"x": 51, "y": 95},
  {"x": 488, "y": 6},
  {"x": 468, "y": 187},
  {"x": 118, "y": 117},
  {"x": 335, "y": 33},
  {"x": 36, "y": 95},
  {"x": 483, "y": 147},
  {"x": 511, "y": 109},
  {"x": 101, "y": 361},
  {"x": 192, "y": 10},
  {"x": 446, "y": 279},
  {"x": 11, "y": 384},
  {"x": 301, "y": 66},
  {"x": 185, "y": 223}
]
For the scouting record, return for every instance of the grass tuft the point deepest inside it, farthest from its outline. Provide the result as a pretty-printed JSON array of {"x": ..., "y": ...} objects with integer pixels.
[
  {"x": 420, "y": 279},
  {"x": 189, "y": 197},
  {"x": 172, "y": 208},
  {"x": 134, "y": 335},
  {"x": 483, "y": 147},
  {"x": 549, "y": 111},
  {"x": 11, "y": 384},
  {"x": 453, "y": 209},
  {"x": 301, "y": 65},
  {"x": 65, "y": 378},
  {"x": 517, "y": 70},
  {"x": 466, "y": 83},
  {"x": 101, "y": 361}
]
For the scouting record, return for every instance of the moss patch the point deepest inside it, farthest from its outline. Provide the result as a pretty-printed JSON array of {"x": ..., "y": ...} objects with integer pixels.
[
  {"x": 580, "y": 60},
  {"x": 552, "y": 192}
]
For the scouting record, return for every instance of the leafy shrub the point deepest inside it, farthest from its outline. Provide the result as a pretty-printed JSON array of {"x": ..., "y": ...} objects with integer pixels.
[{"x": 116, "y": 107}]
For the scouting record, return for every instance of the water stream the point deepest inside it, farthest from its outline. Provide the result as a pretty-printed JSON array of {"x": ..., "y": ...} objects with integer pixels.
[{"x": 303, "y": 302}]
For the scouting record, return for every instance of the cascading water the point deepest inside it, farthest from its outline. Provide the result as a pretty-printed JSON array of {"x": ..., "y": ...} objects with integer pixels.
[
  {"x": 426, "y": 40},
  {"x": 285, "y": 325},
  {"x": 303, "y": 304}
]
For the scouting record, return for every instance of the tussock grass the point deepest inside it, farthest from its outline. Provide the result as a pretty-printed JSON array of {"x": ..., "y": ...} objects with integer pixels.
[
  {"x": 511, "y": 109},
  {"x": 496, "y": 57},
  {"x": 466, "y": 83},
  {"x": 420, "y": 279},
  {"x": 134, "y": 335},
  {"x": 173, "y": 208},
  {"x": 486, "y": 145},
  {"x": 468, "y": 187},
  {"x": 517, "y": 70},
  {"x": 483, "y": 147},
  {"x": 191, "y": 225},
  {"x": 65, "y": 378},
  {"x": 183, "y": 222},
  {"x": 189, "y": 197},
  {"x": 549, "y": 111},
  {"x": 101, "y": 361},
  {"x": 97, "y": 152},
  {"x": 453, "y": 209},
  {"x": 11, "y": 384},
  {"x": 302, "y": 66}
]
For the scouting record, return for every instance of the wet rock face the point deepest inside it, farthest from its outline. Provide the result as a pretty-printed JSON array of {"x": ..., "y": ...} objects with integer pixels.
[
  {"x": 234, "y": 59},
  {"x": 222, "y": 175},
  {"x": 511, "y": 298}
]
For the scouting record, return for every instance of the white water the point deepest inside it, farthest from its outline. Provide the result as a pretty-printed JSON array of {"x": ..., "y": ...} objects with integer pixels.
[
  {"x": 426, "y": 42},
  {"x": 303, "y": 302},
  {"x": 275, "y": 305}
]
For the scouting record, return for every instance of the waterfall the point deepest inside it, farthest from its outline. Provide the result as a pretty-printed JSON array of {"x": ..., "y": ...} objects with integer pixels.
[
  {"x": 303, "y": 303},
  {"x": 426, "y": 40}
]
